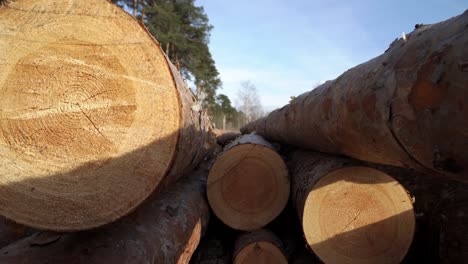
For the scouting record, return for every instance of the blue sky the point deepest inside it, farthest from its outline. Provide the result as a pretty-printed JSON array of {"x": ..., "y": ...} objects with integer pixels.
[{"x": 287, "y": 47}]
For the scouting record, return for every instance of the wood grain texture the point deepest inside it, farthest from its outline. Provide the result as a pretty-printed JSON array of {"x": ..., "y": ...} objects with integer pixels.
[
  {"x": 94, "y": 117},
  {"x": 248, "y": 185},
  {"x": 406, "y": 107},
  {"x": 350, "y": 213}
]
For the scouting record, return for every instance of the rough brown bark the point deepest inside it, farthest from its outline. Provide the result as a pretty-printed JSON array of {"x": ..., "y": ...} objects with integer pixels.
[
  {"x": 165, "y": 229},
  {"x": 441, "y": 208},
  {"x": 94, "y": 117},
  {"x": 216, "y": 246},
  {"x": 350, "y": 213},
  {"x": 407, "y": 107},
  {"x": 211, "y": 251},
  {"x": 248, "y": 185},
  {"x": 223, "y": 137},
  {"x": 260, "y": 246},
  {"x": 292, "y": 237},
  {"x": 196, "y": 137}
]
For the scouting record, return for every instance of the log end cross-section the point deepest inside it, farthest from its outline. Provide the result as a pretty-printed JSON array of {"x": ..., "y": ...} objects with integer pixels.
[
  {"x": 248, "y": 185},
  {"x": 260, "y": 246},
  {"x": 358, "y": 215},
  {"x": 90, "y": 116}
]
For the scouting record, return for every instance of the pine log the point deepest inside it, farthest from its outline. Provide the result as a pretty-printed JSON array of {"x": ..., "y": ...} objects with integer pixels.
[
  {"x": 165, "y": 229},
  {"x": 350, "y": 213},
  {"x": 224, "y": 137},
  {"x": 260, "y": 246},
  {"x": 441, "y": 210},
  {"x": 248, "y": 186},
  {"x": 93, "y": 116},
  {"x": 407, "y": 107}
]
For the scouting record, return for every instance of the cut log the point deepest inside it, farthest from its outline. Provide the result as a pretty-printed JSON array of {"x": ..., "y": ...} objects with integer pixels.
[
  {"x": 165, "y": 229},
  {"x": 260, "y": 246},
  {"x": 350, "y": 213},
  {"x": 93, "y": 116},
  {"x": 248, "y": 185},
  {"x": 441, "y": 210},
  {"x": 407, "y": 107}
]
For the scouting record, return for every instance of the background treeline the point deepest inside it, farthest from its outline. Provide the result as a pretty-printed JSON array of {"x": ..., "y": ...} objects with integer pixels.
[{"x": 183, "y": 30}]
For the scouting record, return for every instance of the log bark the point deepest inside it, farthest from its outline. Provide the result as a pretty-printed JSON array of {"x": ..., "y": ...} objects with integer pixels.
[
  {"x": 217, "y": 245},
  {"x": 441, "y": 209},
  {"x": 224, "y": 137},
  {"x": 350, "y": 213},
  {"x": 260, "y": 246},
  {"x": 211, "y": 251},
  {"x": 165, "y": 229},
  {"x": 248, "y": 185},
  {"x": 94, "y": 117},
  {"x": 407, "y": 107},
  {"x": 294, "y": 247}
]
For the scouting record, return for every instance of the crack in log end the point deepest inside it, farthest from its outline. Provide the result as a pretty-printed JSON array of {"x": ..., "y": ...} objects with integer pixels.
[
  {"x": 345, "y": 228},
  {"x": 91, "y": 121}
]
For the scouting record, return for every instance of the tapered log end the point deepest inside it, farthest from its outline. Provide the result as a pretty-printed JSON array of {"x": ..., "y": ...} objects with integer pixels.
[
  {"x": 248, "y": 186},
  {"x": 260, "y": 252},
  {"x": 358, "y": 215},
  {"x": 89, "y": 117},
  {"x": 260, "y": 246}
]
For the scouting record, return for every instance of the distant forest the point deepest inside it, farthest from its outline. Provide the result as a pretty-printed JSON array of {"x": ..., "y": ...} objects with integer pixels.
[{"x": 183, "y": 30}]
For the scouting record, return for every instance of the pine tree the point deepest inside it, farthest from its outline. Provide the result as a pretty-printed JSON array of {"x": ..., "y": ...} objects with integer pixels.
[{"x": 183, "y": 30}]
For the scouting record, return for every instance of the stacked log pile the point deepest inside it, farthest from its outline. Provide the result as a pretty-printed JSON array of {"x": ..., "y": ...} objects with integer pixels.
[{"x": 106, "y": 156}]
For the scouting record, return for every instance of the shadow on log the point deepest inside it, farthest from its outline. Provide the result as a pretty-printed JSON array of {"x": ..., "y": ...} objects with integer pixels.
[
  {"x": 248, "y": 185},
  {"x": 350, "y": 213},
  {"x": 81, "y": 84},
  {"x": 166, "y": 228},
  {"x": 440, "y": 208}
]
